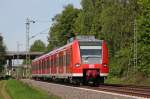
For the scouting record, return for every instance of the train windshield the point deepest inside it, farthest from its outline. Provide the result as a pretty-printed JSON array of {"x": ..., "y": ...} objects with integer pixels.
[{"x": 91, "y": 52}]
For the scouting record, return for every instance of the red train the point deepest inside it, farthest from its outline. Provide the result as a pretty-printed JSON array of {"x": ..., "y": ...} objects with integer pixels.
[{"x": 82, "y": 60}]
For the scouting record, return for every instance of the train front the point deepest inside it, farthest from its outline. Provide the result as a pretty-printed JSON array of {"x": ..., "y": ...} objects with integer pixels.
[{"x": 93, "y": 60}]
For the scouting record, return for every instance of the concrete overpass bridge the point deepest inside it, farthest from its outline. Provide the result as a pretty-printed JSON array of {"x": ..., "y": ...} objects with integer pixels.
[
  {"x": 11, "y": 55},
  {"x": 22, "y": 55}
]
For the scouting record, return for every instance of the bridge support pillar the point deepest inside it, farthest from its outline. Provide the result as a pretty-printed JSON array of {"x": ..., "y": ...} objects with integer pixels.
[{"x": 10, "y": 64}]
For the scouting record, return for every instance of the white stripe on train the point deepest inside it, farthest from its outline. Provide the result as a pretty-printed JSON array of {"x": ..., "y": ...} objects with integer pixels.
[{"x": 64, "y": 75}]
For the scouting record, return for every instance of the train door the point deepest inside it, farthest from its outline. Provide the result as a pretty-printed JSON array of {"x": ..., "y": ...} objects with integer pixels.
[{"x": 69, "y": 61}]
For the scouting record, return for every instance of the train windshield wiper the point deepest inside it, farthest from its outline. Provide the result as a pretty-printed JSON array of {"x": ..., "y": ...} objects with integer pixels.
[{"x": 91, "y": 56}]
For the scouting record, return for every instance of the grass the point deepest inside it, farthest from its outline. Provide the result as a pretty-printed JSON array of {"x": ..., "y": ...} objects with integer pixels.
[
  {"x": 3, "y": 91},
  {"x": 19, "y": 90},
  {"x": 139, "y": 81}
]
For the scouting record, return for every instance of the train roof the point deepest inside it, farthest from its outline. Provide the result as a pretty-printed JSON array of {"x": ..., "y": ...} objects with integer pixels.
[
  {"x": 83, "y": 39},
  {"x": 70, "y": 42},
  {"x": 52, "y": 52}
]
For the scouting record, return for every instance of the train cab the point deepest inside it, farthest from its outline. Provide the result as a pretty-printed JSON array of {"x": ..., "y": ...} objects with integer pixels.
[{"x": 91, "y": 59}]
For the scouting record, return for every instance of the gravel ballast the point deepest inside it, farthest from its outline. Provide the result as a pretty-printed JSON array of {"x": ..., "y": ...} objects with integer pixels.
[{"x": 68, "y": 92}]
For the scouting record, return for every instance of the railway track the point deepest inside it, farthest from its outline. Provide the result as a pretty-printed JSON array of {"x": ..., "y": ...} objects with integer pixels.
[{"x": 140, "y": 91}]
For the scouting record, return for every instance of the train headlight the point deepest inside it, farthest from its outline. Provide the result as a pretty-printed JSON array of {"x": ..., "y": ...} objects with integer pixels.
[
  {"x": 77, "y": 65},
  {"x": 105, "y": 65}
]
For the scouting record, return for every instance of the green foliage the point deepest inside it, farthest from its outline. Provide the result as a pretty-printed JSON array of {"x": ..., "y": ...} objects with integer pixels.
[
  {"x": 143, "y": 27},
  {"x": 19, "y": 90},
  {"x": 38, "y": 46},
  {"x": 2, "y": 54},
  {"x": 62, "y": 28},
  {"x": 117, "y": 25},
  {"x": 121, "y": 65},
  {"x": 115, "y": 21}
]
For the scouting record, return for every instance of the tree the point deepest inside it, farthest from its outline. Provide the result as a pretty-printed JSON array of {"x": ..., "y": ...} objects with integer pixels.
[
  {"x": 2, "y": 54},
  {"x": 62, "y": 27},
  {"x": 89, "y": 22},
  {"x": 143, "y": 32},
  {"x": 115, "y": 21},
  {"x": 38, "y": 46}
]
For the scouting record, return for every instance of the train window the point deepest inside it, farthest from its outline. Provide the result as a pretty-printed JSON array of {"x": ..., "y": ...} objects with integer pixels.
[
  {"x": 61, "y": 60},
  {"x": 91, "y": 51},
  {"x": 39, "y": 66},
  {"x": 90, "y": 43},
  {"x": 64, "y": 60},
  {"x": 54, "y": 60},
  {"x": 50, "y": 62},
  {"x": 47, "y": 63},
  {"x": 91, "y": 56},
  {"x": 68, "y": 59},
  {"x": 42, "y": 64},
  {"x": 57, "y": 60},
  {"x": 45, "y": 66},
  {"x": 35, "y": 65}
]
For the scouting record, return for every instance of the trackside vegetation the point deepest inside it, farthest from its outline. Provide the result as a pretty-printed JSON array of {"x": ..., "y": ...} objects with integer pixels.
[
  {"x": 2, "y": 55},
  {"x": 19, "y": 90},
  {"x": 118, "y": 22}
]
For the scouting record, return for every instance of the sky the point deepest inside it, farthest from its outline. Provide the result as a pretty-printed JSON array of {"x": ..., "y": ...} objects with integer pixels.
[{"x": 13, "y": 14}]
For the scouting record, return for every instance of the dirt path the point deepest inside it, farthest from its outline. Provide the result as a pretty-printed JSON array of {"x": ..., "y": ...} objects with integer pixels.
[{"x": 3, "y": 92}]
